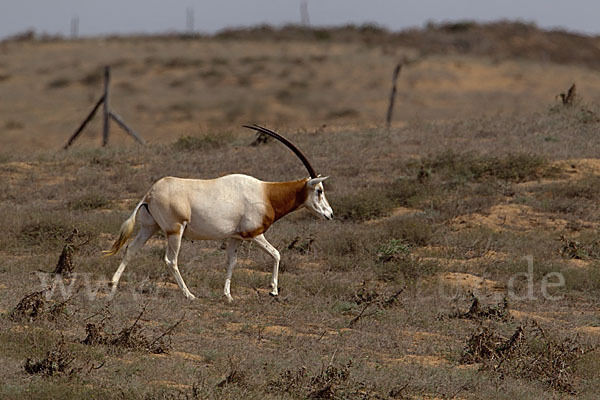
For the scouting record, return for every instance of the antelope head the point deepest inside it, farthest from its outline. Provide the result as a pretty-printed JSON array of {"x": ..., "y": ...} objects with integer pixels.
[{"x": 315, "y": 200}]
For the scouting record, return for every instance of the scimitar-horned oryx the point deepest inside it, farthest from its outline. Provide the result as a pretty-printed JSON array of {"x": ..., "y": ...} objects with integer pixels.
[{"x": 233, "y": 207}]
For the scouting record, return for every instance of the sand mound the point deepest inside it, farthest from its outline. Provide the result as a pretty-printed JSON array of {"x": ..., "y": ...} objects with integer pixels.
[
  {"x": 396, "y": 212},
  {"x": 472, "y": 282},
  {"x": 515, "y": 217},
  {"x": 574, "y": 169},
  {"x": 589, "y": 330}
]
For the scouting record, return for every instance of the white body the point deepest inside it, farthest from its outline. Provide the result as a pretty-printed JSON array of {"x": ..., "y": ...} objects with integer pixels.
[
  {"x": 214, "y": 209},
  {"x": 234, "y": 207}
]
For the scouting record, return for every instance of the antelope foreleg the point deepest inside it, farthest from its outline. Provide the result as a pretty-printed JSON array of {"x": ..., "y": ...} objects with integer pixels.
[
  {"x": 272, "y": 251},
  {"x": 232, "y": 248}
]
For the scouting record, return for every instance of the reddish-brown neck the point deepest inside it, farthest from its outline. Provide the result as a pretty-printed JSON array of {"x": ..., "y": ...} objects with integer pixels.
[{"x": 285, "y": 197}]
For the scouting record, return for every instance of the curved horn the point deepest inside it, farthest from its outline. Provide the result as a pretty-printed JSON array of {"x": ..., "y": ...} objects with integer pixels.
[{"x": 289, "y": 144}]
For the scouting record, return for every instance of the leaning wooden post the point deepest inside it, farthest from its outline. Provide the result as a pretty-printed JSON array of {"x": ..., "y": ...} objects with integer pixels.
[
  {"x": 84, "y": 123},
  {"x": 390, "y": 110},
  {"x": 127, "y": 129},
  {"x": 106, "y": 109}
]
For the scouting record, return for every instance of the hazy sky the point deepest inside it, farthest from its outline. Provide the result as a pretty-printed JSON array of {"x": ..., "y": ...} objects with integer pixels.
[{"x": 151, "y": 16}]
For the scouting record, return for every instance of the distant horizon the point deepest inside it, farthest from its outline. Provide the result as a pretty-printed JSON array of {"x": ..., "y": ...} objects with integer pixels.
[
  {"x": 151, "y": 17},
  {"x": 284, "y": 25}
]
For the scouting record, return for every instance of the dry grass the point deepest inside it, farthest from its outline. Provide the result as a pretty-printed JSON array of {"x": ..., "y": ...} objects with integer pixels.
[
  {"x": 377, "y": 304},
  {"x": 299, "y": 84},
  {"x": 336, "y": 279}
]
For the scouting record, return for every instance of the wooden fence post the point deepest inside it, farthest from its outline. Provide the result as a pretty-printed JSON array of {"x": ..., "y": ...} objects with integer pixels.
[
  {"x": 106, "y": 108},
  {"x": 390, "y": 110},
  {"x": 107, "y": 115}
]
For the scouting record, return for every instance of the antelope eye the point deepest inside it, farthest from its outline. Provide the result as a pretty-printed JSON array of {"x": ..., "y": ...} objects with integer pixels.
[{"x": 319, "y": 192}]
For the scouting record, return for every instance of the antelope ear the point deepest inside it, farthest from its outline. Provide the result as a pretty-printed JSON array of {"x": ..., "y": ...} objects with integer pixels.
[{"x": 315, "y": 181}]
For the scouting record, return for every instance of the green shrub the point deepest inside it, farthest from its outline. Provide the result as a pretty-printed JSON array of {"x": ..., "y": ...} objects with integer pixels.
[
  {"x": 391, "y": 248},
  {"x": 413, "y": 230},
  {"x": 364, "y": 205},
  {"x": 466, "y": 167},
  {"x": 587, "y": 188}
]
